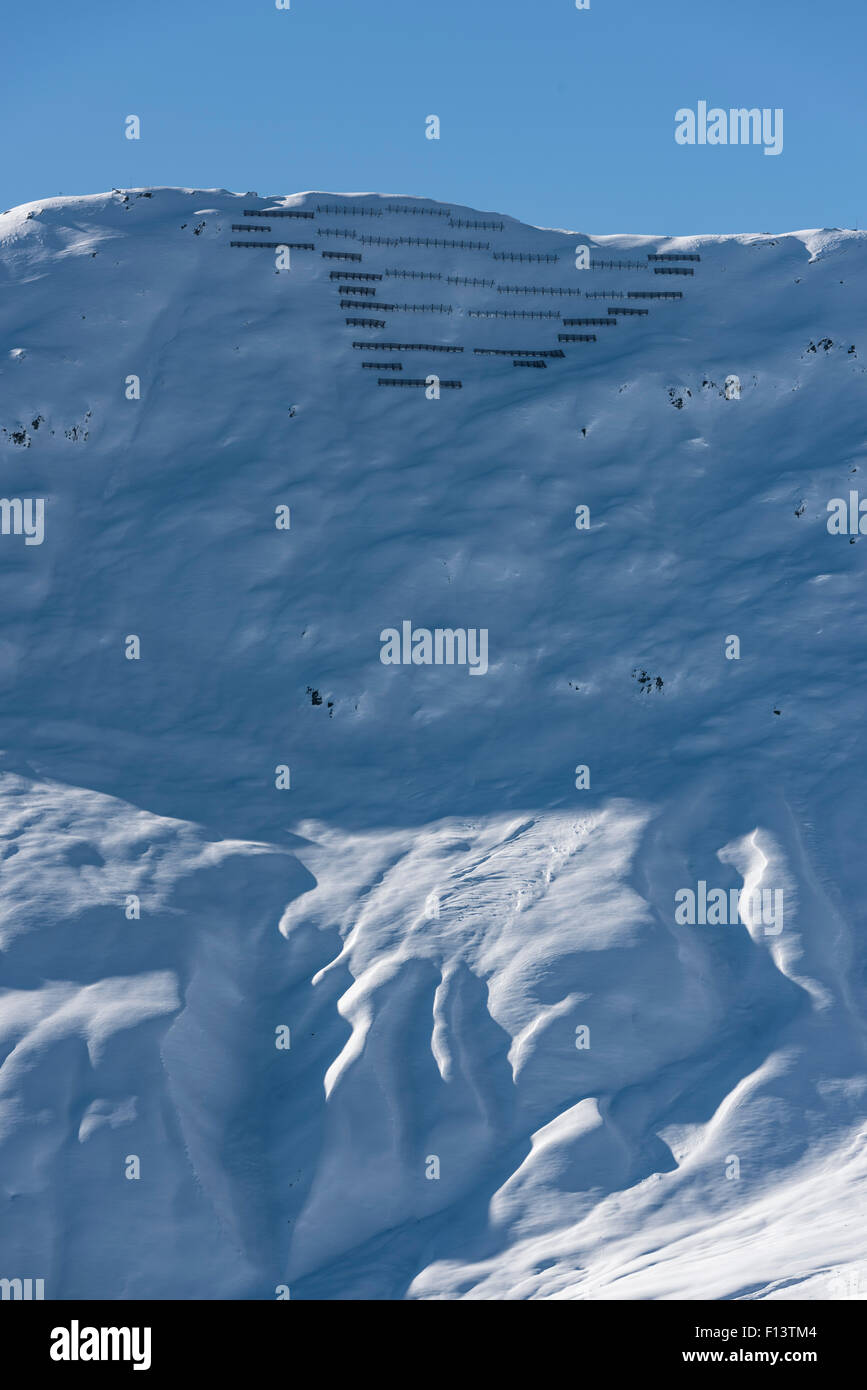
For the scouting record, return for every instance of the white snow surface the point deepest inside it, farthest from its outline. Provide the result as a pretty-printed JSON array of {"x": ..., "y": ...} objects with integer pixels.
[{"x": 432, "y": 908}]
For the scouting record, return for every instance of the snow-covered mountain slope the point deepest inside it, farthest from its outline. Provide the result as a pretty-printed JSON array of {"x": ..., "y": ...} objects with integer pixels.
[{"x": 516, "y": 1071}]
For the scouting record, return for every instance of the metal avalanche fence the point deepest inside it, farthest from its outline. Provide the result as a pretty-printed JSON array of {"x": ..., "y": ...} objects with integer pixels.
[{"x": 358, "y": 290}]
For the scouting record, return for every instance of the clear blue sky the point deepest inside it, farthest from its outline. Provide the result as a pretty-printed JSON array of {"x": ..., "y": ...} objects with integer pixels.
[{"x": 557, "y": 116}]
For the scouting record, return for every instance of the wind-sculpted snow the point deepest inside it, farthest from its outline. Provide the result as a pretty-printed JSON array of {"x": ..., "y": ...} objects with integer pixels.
[
  {"x": 536, "y": 973},
  {"x": 698, "y": 1049}
]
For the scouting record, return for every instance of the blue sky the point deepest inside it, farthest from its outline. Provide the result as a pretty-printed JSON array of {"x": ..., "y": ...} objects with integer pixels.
[{"x": 557, "y": 116}]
